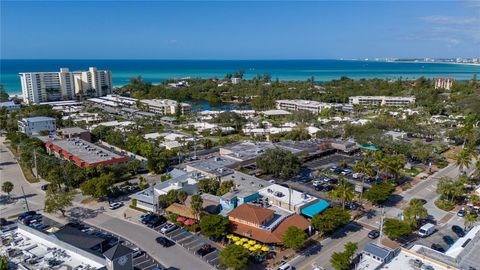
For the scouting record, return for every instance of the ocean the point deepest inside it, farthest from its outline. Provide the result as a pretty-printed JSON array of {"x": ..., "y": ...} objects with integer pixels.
[{"x": 156, "y": 71}]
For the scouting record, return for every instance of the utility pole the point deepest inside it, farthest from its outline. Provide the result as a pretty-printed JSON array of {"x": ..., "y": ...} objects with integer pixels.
[
  {"x": 25, "y": 198},
  {"x": 194, "y": 147},
  {"x": 381, "y": 227},
  {"x": 35, "y": 162}
]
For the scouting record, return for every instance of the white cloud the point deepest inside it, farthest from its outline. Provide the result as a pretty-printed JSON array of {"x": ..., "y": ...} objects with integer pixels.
[{"x": 436, "y": 19}]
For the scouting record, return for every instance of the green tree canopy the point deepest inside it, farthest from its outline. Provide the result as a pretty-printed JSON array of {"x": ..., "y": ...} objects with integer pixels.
[
  {"x": 343, "y": 260},
  {"x": 57, "y": 200},
  {"x": 331, "y": 219},
  {"x": 214, "y": 226},
  {"x": 279, "y": 163},
  {"x": 395, "y": 228},
  {"x": 7, "y": 187},
  {"x": 234, "y": 257},
  {"x": 379, "y": 193},
  {"x": 294, "y": 238}
]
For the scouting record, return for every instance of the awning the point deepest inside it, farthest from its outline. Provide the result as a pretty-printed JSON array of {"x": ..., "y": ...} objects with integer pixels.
[
  {"x": 369, "y": 147},
  {"x": 315, "y": 208}
]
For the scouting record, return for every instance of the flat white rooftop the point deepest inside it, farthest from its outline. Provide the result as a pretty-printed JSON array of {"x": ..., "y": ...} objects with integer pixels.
[{"x": 281, "y": 193}]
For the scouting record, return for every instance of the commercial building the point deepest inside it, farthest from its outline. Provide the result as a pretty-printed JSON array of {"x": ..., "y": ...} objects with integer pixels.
[
  {"x": 165, "y": 106},
  {"x": 444, "y": 83},
  {"x": 286, "y": 198},
  {"x": 215, "y": 167},
  {"x": 304, "y": 105},
  {"x": 74, "y": 132},
  {"x": 83, "y": 153},
  {"x": 264, "y": 225},
  {"x": 381, "y": 100},
  {"x": 32, "y": 126},
  {"x": 38, "y": 87}
]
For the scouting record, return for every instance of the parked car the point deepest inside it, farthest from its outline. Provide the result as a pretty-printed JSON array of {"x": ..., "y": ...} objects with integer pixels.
[
  {"x": 137, "y": 252},
  {"x": 44, "y": 187},
  {"x": 316, "y": 183},
  {"x": 204, "y": 250},
  {"x": 356, "y": 175},
  {"x": 285, "y": 266},
  {"x": 115, "y": 205},
  {"x": 426, "y": 230},
  {"x": 373, "y": 234},
  {"x": 437, "y": 247},
  {"x": 156, "y": 221},
  {"x": 448, "y": 240},
  {"x": 165, "y": 242},
  {"x": 168, "y": 228},
  {"x": 458, "y": 231},
  {"x": 461, "y": 212},
  {"x": 145, "y": 218}
]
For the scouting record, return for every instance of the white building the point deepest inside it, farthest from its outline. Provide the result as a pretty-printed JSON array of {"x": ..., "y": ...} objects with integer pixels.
[
  {"x": 165, "y": 106},
  {"x": 236, "y": 80},
  {"x": 9, "y": 105},
  {"x": 33, "y": 125},
  {"x": 381, "y": 100},
  {"x": 444, "y": 83},
  {"x": 304, "y": 105},
  {"x": 286, "y": 198},
  {"x": 40, "y": 87}
]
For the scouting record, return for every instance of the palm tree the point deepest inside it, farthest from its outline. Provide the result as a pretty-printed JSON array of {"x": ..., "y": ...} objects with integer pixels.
[
  {"x": 365, "y": 168},
  {"x": 343, "y": 191},
  {"x": 463, "y": 159},
  {"x": 468, "y": 220},
  {"x": 415, "y": 211}
]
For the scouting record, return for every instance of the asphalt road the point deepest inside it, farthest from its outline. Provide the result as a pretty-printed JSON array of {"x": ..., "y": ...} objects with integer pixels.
[
  {"x": 175, "y": 257},
  {"x": 320, "y": 254}
]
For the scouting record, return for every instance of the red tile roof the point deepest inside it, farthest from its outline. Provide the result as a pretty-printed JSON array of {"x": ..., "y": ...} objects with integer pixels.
[{"x": 251, "y": 213}]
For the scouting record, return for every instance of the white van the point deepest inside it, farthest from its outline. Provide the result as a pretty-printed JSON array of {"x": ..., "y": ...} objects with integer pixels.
[
  {"x": 285, "y": 266},
  {"x": 426, "y": 230}
]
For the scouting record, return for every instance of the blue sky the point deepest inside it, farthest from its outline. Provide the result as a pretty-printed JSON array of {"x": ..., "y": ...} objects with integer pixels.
[{"x": 238, "y": 30}]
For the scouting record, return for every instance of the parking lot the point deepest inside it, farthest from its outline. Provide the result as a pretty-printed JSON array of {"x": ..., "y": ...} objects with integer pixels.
[
  {"x": 444, "y": 237},
  {"x": 192, "y": 243}
]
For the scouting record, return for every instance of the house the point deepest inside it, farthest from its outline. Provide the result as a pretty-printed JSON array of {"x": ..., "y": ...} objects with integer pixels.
[
  {"x": 32, "y": 126},
  {"x": 286, "y": 198},
  {"x": 375, "y": 257},
  {"x": 10, "y": 105}
]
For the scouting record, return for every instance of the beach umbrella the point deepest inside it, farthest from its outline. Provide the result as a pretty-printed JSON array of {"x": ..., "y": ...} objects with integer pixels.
[
  {"x": 246, "y": 246},
  {"x": 252, "y": 242},
  {"x": 181, "y": 219},
  {"x": 244, "y": 239},
  {"x": 257, "y": 246},
  {"x": 265, "y": 248},
  {"x": 235, "y": 238},
  {"x": 252, "y": 249},
  {"x": 189, "y": 222},
  {"x": 229, "y": 236},
  {"x": 238, "y": 243}
]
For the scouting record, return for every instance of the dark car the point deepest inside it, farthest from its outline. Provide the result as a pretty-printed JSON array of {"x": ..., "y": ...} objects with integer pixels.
[
  {"x": 156, "y": 221},
  {"x": 461, "y": 213},
  {"x": 458, "y": 231},
  {"x": 448, "y": 240},
  {"x": 44, "y": 187},
  {"x": 146, "y": 218},
  {"x": 204, "y": 250},
  {"x": 165, "y": 242},
  {"x": 327, "y": 188},
  {"x": 373, "y": 234},
  {"x": 352, "y": 206},
  {"x": 437, "y": 247}
]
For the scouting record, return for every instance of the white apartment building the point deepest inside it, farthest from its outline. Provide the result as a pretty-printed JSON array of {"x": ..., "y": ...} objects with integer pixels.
[
  {"x": 38, "y": 87},
  {"x": 165, "y": 106},
  {"x": 33, "y": 125},
  {"x": 444, "y": 83},
  {"x": 381, "y": 100},
  {"x": 304, "y": 105}
]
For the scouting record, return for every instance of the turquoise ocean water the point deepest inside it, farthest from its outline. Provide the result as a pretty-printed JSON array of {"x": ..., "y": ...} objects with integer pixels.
[{"x": 157, "y": 71}]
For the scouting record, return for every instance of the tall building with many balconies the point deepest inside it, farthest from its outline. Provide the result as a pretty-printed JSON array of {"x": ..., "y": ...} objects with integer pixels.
[{"x": 38, "y": 87}]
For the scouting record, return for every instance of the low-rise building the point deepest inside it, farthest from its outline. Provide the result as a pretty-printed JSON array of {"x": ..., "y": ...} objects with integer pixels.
[
  {"x": 444, "y": 83},
  {"x": 215, "y": 167},
  {"x": 381, "y": 100},
  {"x": 32, "y": 126},
  {"x": 304, "y": 105},
  {"x": 10, "y": 105},
  {"x": 83, "y": 153},
  {"x": 74, "y": 132},
  {"x": 287, "y": 198},
  {"x": 165, "y": 106},
  {"x": 264, "y": 225}
]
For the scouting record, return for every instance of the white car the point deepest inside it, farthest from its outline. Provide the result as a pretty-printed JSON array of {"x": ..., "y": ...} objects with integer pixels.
[
  {"x": 115, "y": 205},
  {"x": 168, "y": 228}
]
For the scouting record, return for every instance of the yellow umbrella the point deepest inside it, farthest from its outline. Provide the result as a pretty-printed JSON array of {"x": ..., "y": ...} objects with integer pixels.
[
  {"x": 238, "y": 243},
  {"x": 252, "y": 249},
  {"x": 257, "y": 246},
  {"x": 235, "y": 238},
  {"x": 265, "y": 248},
  {"x": 244, "y": 239},
  {"x": 229, "y": 236},
  {"x": 246, "y": 246},
  {"x": 252, "y": 242}
]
